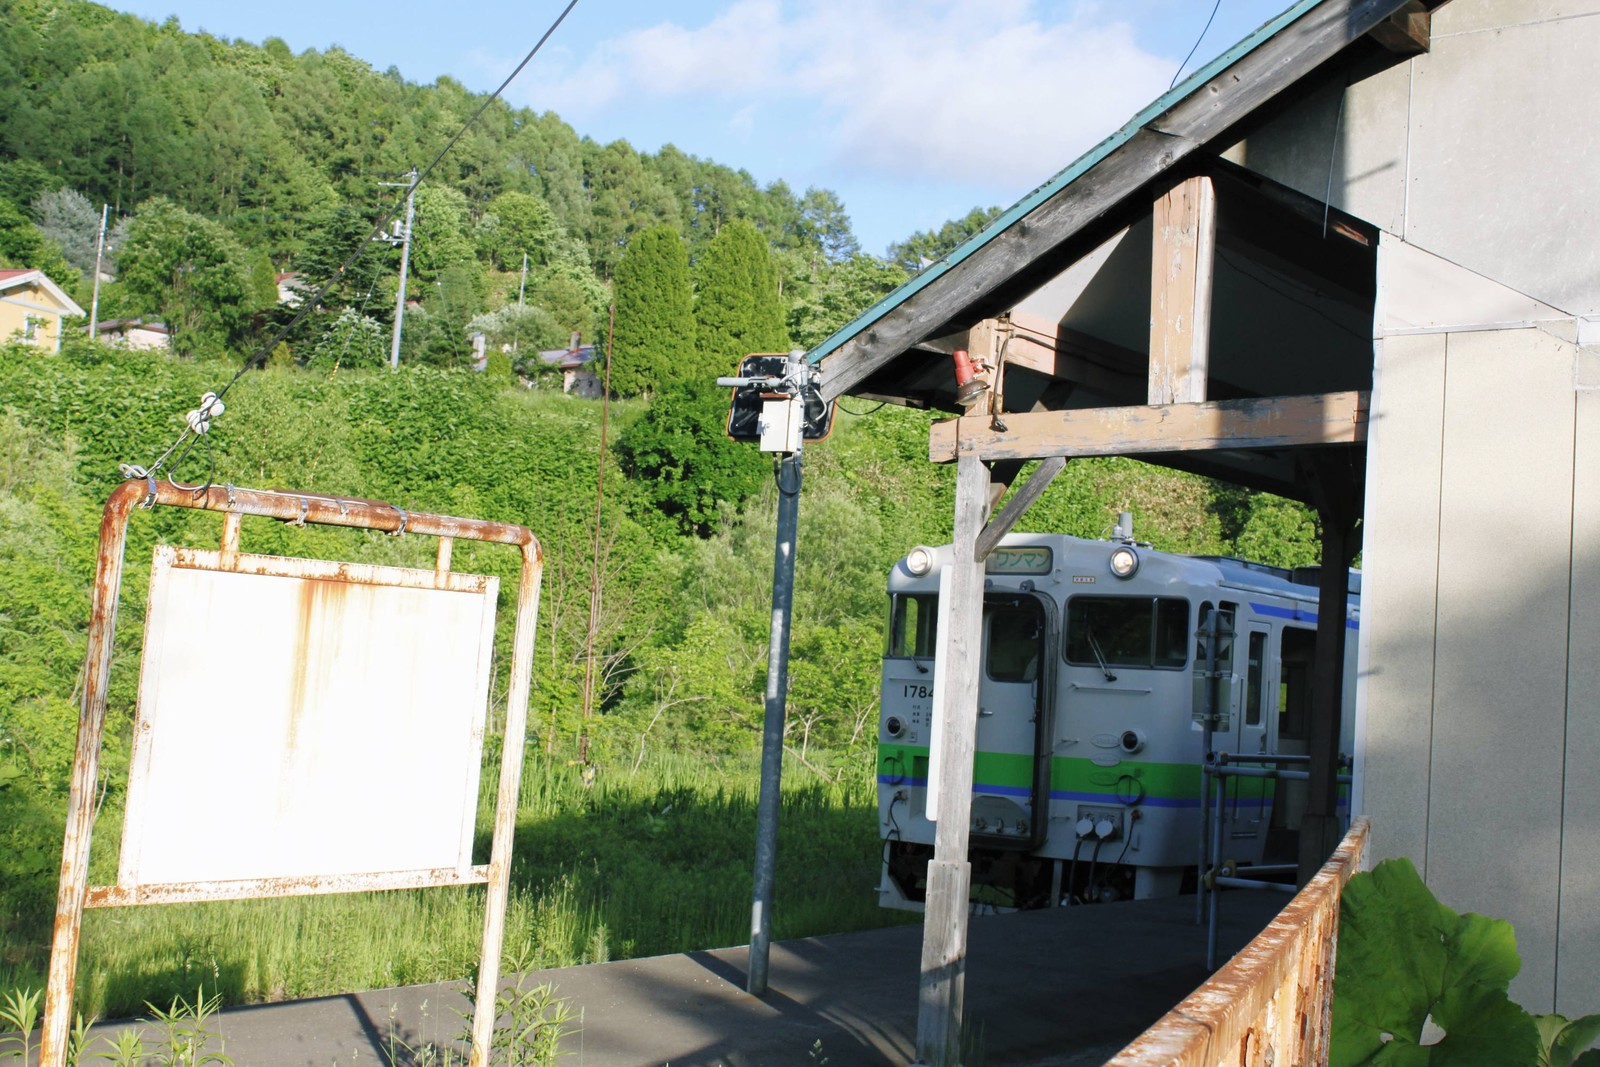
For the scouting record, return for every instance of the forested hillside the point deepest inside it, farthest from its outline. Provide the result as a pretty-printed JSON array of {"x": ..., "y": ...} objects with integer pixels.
[{"x": 226, "y": 164}]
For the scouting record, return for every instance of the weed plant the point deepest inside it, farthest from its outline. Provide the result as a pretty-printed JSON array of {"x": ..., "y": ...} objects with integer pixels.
[{"x": 643, "y": 862}]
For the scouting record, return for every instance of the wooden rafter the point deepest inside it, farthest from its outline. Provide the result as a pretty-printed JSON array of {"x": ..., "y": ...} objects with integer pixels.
[{"x": 1269, "y": 422}]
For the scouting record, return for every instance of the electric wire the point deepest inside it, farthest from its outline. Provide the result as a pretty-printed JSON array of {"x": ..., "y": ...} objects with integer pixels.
[
  {"x": 1214, "y": 8},
  {"x": 870, "y": 411},
  {"x": 311, "y": 303}
]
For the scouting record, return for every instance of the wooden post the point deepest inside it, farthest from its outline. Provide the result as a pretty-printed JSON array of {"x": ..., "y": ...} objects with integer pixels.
[
  {"x": 944, "y": 931},
  {"x": 1338, "y": 510},
  {"x": 1182, "y": 256}
]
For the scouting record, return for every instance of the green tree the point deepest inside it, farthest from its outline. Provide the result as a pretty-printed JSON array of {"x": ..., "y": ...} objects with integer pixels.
[
  {"x": 927, "y": 247},
  {"x": 655, "y": 332},
  {"x": 845, "y": 291},
  {"x": 737, "y": 310},
  {"x": 333, "y": 238},
  {"x": 440, "y": 238},
  {"x": 24, "y": 247},
  {"x": 824, "y": 225},
  {"x": 263, "y": 281},
  {"x": 188, "y": 270},
  {"x": 688, "y": 471},
  {"x": 67, "y": 217},
  {"x": 351, "y": 340},
  {"x": 518, "y": 224}
]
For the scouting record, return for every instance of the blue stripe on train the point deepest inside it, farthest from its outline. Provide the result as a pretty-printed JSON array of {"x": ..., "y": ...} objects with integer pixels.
[{"x": 1296, "y": 614}]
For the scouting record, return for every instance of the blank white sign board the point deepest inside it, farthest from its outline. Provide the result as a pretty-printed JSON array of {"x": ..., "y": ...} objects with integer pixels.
[{"x": 302, "y": 718}]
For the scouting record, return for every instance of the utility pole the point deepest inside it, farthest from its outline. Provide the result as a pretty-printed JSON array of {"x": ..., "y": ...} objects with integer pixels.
[
  {"x": 99, "y": 255},
  {"x": 410, "y": 185},
  {"x": 515, "y": 341},
  {"x": 781, "y": 431}
]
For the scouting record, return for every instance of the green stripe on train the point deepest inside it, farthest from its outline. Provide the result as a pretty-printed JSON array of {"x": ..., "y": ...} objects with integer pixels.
[{"x": 1074, "y": 774}]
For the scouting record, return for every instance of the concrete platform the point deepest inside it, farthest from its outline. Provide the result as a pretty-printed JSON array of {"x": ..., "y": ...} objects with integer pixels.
[{"x": 1064, "y": 987}]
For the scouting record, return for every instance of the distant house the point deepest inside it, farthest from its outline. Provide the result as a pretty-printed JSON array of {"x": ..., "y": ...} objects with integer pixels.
[
  {"x": 32, "y": 307},
  {"x": 134, "y": 333},
  {"x": 577, "y": 374}
]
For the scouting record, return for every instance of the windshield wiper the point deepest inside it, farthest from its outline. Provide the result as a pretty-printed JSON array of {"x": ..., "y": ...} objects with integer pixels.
[{"x": 1099, "y": 657}]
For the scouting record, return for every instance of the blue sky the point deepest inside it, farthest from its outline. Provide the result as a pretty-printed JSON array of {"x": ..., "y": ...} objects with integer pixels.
[{"x": 913, "y": 111}]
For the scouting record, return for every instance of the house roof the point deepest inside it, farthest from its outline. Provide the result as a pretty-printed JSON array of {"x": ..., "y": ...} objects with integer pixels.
[
  {"x": 23, "y": 278},
  {"x": 995, "y": 263}
]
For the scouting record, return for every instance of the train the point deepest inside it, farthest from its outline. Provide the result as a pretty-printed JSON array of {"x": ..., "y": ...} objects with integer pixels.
[{"x": 1104, "y": 662}]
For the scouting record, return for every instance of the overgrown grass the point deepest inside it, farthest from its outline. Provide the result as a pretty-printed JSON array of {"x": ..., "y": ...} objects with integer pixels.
[{"x": 643, "y": 862}]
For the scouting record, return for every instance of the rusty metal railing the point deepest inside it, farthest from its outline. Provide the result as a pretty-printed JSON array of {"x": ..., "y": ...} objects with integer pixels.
[{"x": 1270, "y": 1003}]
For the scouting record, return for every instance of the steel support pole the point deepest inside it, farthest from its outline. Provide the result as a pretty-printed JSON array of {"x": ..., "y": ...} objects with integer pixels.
[{"x": 788, "y": 467}]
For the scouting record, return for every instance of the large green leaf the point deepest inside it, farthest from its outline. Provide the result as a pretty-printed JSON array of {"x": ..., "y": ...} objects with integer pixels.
[
  {"x": 1405, "y": 958},
  {"x": 1562, "y": 1041}
]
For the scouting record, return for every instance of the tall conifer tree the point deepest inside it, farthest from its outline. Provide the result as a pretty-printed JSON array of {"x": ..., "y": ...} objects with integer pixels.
[
  {"x": 655, "y": 333},
  {"x": 738, "y": 310}
]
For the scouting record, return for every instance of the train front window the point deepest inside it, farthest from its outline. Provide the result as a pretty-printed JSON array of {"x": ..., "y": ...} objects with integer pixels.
[
  {"x": 912, "y": 622},
  {"x": 1117, "y": 631}
]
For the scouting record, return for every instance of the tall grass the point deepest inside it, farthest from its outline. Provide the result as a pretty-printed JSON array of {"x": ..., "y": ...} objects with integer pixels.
[{"x": 642, "y": 862}]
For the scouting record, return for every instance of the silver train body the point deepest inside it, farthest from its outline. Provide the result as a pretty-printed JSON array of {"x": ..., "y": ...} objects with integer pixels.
[{"x": 1093, "y": 693}]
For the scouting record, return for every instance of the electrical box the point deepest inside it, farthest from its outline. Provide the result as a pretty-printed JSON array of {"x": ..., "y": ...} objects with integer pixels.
[{"x": 780, "y": 425}]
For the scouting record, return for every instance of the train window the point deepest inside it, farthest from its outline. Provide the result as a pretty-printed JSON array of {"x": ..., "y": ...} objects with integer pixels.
[
  {"x": 1294, "y": 690},
  {"x": 912, "y": 622},
  {"x": 1105, "y": 631},
  {"x": 1013, "y": 651},
  {"x": 1254, "y": 672}
]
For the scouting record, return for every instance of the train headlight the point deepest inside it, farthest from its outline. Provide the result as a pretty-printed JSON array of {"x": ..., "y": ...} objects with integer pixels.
[
  {"x": 1124, "y": 561},
  {"x": 919, "y": 561}
]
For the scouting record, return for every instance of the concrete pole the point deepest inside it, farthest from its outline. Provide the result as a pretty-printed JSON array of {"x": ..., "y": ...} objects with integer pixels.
[
  {"x": 942, "y": 990},
  {"x": 99, "y": 256},
  {"x": 405, "y": 263},
  {"x": 772, "y": 732}
]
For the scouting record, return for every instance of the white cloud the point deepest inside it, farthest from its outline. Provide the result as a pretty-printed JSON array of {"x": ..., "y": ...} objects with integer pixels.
[{"x": 1001, "y": 91}]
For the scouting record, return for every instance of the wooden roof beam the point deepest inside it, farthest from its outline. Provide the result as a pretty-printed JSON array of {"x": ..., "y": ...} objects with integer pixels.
[
  {"x": 1407, "y": 31},
  {"x": 1268, "y": 422}
]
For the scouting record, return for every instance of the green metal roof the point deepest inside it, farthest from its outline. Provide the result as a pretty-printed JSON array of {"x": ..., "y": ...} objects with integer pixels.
[{"x": 1043, "y": 193}]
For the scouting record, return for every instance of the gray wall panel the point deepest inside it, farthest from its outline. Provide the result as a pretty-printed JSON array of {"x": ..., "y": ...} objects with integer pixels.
[
  {"x": 1504, "y": 136},
  {"x": 1500, "y": 675},
  {"x": 1368, "y": 158},
  {"x": 1578, "y": 924},
  {"x": 1478, "y": 15},
  {"x": 1399, "y": 563}
]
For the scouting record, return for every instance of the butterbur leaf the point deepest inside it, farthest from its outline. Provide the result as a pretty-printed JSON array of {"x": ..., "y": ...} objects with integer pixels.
[
  {"x": 1562, "y": 1041},
  {"x": 1588, "y": 1059},
  {"x": 1403, "y": 958}
]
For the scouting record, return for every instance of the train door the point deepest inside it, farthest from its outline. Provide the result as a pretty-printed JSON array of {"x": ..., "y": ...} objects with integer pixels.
[
  {"x": 1290, "y": 716},
  {"x": 1252, "y": 799},
  {"x": 1010, "y": 782}
]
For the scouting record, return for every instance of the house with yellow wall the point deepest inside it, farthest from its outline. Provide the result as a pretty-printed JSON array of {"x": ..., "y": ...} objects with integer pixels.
[{"x": 32, "y": 307}]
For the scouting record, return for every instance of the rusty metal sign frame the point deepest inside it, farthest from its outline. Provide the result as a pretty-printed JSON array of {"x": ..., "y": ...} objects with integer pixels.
[{"x": 74, "y": 892}]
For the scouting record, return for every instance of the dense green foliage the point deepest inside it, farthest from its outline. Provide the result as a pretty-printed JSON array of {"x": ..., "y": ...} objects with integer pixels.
[
  {"x": 655, "y": 332},
  {"x": 289, "y": 155},
  {"x": 1406, "y": 960},
  {"x": 736, "y": 311}
]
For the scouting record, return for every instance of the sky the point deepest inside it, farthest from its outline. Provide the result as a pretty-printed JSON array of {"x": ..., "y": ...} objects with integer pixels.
[{"x": 912, "y": 111}]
